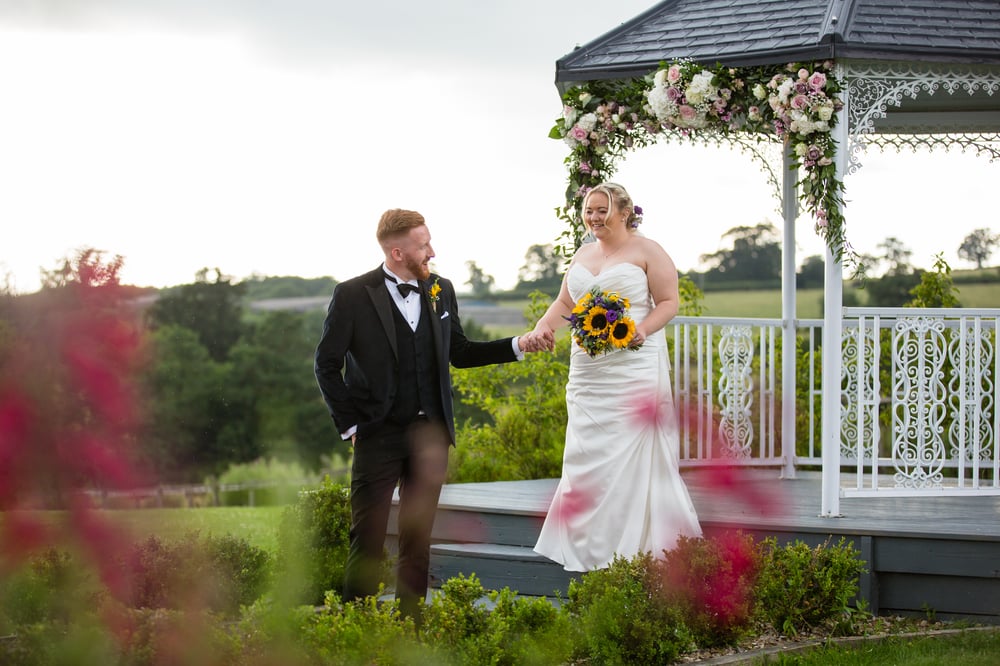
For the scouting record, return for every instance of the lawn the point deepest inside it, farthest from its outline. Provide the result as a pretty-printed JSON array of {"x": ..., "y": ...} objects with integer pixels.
[
  {"x": 258, "y": 525},
  {"x": 766, "y": 303}
]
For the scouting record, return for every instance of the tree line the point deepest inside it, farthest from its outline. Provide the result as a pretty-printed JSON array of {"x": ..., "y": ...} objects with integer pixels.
[{"x": 221, "y": 383}]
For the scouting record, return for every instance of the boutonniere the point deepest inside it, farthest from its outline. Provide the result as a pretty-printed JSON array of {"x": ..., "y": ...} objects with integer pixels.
[{"x": 434, "y": 293}]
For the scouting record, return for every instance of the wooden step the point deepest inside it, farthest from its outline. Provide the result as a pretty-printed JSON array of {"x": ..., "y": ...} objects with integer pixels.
[{"x": 498, "y": 566}]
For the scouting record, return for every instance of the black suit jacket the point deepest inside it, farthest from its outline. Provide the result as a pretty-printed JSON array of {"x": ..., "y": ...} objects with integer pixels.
[{"x": 356, "y": 357}]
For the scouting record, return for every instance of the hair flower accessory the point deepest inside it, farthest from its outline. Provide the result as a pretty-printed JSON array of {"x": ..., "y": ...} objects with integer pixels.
[
  {"x": 600, "y": 322},
  {"x": 434, "y": 294},
  {"x": 636, "y": 219}
]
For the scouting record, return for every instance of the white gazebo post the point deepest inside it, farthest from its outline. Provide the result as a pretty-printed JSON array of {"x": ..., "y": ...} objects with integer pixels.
[
  {"x": 789, "y": 212},
  {"x": 832, "y": 341}
]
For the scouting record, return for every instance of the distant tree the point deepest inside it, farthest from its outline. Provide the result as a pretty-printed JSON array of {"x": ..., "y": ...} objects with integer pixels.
[
  {"x": 274, "y": 360},
  {"x": 896, "y": 255},
  {"x": 892, "y": 290},
  {"x": 212, "y": 309},
  {"x": 480, "y": 283},
  {"x": 260, "y": 287},
  {"x": 200, "y": 420},
  {"x": 978, "y": 246},
  {"x": 812, "y": 273},
  {"x": 755, "y": 256},
  {"x": 89, "y": 265},
  {"x": 542, "y": 270},
  {"x": 540, "y": 263}
]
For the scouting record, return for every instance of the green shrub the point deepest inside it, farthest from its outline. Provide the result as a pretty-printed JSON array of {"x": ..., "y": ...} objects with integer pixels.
[
  {"x": 245, "y": 569},
  {"x": 528, "y": 631},
  {"x": 361, "y": 632},
  {"x": 49, "y": 587},
  {"x": 217, "y": 574},
  {"x": 150, "y": 637},
  {"x": 801, "y": 587},
  {"x": 622, "y": 615},
  {"x": 313, "y": 540},
  {"x": 712, "y": 581}
]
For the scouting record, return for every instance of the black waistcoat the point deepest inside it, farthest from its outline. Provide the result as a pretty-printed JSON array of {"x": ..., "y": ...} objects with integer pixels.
[{"x": 418, "y": 385}]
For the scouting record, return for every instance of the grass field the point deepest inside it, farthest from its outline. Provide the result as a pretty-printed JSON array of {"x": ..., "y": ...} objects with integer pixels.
[
  {"x": 766, "y": 303},
  {"x": 258, "y": 525}
]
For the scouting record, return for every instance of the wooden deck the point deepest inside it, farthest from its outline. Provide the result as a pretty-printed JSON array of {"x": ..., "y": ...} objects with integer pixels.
[{"x": 937, "y": 555}]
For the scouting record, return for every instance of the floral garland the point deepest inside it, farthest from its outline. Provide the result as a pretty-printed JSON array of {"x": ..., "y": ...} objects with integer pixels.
[{"x": 601, "y": 120}]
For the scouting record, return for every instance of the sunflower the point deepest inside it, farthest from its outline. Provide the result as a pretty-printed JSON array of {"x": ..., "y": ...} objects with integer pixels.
[
  {"x": 596, "y": 321},
  {"x": 622, "y": 333},
  {"x": 600, "y": 322}
]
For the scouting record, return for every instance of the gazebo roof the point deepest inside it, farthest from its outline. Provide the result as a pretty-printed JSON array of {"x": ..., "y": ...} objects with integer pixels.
[{"x": 762, "y": 32}]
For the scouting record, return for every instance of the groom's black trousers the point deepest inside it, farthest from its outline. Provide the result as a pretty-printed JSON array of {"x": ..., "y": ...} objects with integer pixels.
[{"x": 416, "y": 457}]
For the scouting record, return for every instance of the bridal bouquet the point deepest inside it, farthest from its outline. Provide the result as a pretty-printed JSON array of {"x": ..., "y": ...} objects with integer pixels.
[{"x": 600, "y": 322}]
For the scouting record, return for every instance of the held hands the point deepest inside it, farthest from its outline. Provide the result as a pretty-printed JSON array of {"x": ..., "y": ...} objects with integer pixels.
[{"x": 537, "y": 340}]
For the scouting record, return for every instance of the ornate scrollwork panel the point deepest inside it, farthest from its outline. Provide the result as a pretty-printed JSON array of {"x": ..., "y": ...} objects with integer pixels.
[
  {"x": 918, "y": 401},
  {"x": 860, "y": 388},
  {"x": 971, "y": 393},
  {"x": 736, "y": 391}
]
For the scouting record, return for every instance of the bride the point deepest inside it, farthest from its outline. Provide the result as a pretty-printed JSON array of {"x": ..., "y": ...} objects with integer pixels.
[{"x": 621, "y": 492}]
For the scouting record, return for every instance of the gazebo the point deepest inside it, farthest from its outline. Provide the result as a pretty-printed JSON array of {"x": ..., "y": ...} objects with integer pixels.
[{"x": 912, "y": 73}]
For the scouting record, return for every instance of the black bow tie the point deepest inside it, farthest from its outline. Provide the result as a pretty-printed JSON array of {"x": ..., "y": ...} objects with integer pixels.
[{"x": 404, "y": 288}]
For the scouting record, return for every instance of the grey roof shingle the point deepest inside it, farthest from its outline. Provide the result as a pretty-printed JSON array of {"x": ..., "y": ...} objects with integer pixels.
[{"x": 760, "y": 32}]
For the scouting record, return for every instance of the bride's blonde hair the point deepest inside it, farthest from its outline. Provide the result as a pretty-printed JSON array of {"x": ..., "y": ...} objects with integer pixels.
[{"x": 618, "y": 200}]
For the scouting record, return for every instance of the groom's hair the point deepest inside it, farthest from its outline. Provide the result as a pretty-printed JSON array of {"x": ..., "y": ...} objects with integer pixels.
[{"x": 396, "y": 222}]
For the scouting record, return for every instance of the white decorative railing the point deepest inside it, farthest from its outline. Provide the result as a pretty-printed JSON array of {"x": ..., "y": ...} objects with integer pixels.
[
  {"x": 918, "y": 397},
  {"x": 923, "y": 420},
  {"x": 726, "y": 388}
]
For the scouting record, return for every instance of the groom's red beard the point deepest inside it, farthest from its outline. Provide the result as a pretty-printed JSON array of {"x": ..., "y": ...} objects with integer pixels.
[{"x": 417, "y": 268}]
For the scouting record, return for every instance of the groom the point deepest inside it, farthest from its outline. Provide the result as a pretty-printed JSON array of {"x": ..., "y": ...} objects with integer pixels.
[{"x": 382, "y": 366}]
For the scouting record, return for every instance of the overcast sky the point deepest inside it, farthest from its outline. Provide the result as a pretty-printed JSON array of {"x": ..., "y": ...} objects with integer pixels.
[{"x": 263, "y": 137}]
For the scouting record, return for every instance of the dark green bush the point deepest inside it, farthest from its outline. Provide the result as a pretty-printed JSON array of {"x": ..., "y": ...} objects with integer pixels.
[
  {"x": 622, "y": 616},
  {"x": 801, "y": 587}
]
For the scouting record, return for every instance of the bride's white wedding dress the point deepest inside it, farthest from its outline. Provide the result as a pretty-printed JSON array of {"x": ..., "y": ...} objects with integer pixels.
[{"x": 621, "y": 492}]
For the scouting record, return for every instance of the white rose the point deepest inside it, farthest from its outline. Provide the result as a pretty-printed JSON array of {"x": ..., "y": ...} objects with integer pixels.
[
  {"x": 700, "y": 88},
  {"x": 785, "y": 89},
  {"x": 825, "y": 112},
  {"x": 759, "y": 91},
  {"x": 659, "y": 103}
]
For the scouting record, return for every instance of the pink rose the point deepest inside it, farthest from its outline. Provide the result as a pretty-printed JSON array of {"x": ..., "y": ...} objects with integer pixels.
[
  {"x": 803, "y": 73},
  {"x": 673, "y": 94},
  {"x": 578, "y": 133},
  {"x": 674, "y": 74},
  {"x": 800, "y": 102},
  {"x": 687, "y": 112},
  {"x": 817, "y": 81}
]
